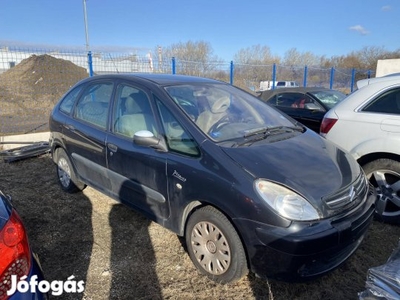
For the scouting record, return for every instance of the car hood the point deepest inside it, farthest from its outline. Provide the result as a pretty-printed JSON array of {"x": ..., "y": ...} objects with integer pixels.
[{"x": 307, "y": 163}]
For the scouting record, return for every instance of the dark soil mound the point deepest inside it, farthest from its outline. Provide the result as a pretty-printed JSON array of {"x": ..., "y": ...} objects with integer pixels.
[
  {"x": 29, "y": 91},
  {"x": 39, "y": 77}
]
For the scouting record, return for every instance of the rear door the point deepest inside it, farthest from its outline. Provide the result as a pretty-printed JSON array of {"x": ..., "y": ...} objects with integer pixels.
[{"x": 85, "y": 133}]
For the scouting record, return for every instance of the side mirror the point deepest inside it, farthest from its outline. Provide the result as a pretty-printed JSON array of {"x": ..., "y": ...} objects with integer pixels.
[
  {"x": 146, "y": 138},
  {"x": 312, "y": 106}
]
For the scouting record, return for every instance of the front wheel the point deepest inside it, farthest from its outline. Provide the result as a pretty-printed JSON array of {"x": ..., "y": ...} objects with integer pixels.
[
  {"x": 65, "y": 173},
  {"x": 214, "y": 246},
  {"x": 384, "y": 174}
]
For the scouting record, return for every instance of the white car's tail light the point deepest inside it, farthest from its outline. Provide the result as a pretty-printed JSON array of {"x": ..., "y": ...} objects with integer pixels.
[{"x": 326, "y": 125}]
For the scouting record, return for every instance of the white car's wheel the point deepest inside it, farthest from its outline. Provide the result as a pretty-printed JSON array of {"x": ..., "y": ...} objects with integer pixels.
[{"x": 384, "y": 174}]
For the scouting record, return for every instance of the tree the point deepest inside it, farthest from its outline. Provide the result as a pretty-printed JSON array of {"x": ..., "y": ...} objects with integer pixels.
[
  {"x": 252, "y": 65},
  {"x": 192, "y": 58},
  {"x": 293, "y": 64},
  {"x": 293, "y": 57}
]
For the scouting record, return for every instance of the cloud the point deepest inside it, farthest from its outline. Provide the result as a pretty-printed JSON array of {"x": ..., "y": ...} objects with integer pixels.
[
  {"x": 359, "y": 29},
  {"x": 386, "y": 8}
]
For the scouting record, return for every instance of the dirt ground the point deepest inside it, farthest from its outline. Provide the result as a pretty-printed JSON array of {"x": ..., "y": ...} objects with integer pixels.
[{"x": 121, "y": 255}]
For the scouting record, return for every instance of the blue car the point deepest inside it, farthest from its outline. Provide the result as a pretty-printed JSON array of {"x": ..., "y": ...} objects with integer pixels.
[{"x": 16, "y": 256}]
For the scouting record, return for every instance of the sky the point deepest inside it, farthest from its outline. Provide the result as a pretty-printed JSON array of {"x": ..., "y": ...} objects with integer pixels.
[{"x": 325, "y": 28}]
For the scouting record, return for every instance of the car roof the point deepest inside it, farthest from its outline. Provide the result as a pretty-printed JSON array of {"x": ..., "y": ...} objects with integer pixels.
[
  {"x": 364, "y": 93},
  {"x": 364, "y": 82},
  {"x": 159, "y": 79},
  {"x": 270, "y": 93}
]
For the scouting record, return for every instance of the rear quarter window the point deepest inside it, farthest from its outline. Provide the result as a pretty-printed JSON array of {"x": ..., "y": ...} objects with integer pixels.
[
  {"x": 93, "y": 104},
  {"x": 388, "y": 103},
  {"x": 69, "y": 100}
]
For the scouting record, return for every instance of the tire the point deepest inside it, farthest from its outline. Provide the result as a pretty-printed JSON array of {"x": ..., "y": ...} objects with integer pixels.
[
  {"x": 214, "y": 246},
  {"x": 66, "y": 174},
  {"x": 384, "y": 175}
]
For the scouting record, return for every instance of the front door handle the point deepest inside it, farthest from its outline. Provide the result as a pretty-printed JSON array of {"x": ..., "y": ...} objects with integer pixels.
[
  {"x": 112, "y": 147},
  {"x": 69, "y": 127}
]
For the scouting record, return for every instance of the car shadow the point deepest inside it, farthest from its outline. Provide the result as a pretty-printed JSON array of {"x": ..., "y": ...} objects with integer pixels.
[
  {"x": 133, "y": 261},
  {"x": 59, "y": 226},
  {"x": 116, "y": 263}
]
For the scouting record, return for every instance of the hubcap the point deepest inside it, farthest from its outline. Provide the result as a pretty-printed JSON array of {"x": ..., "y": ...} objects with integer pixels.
[
  {"x": 387, "y": 184},
  {"x": 211, "y": 248},
  {"x": 64, "y": 172}
]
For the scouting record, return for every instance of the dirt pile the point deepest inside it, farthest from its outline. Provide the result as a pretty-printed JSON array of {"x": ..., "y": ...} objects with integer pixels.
[
  {"x": 38, "y": 80},
  {"x": 29, "y": 91}
]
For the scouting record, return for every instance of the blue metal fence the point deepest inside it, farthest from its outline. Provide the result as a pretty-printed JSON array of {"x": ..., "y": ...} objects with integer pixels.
[
  {"x": 27, "y": 96},
  {"x": 333, "y": 78}
]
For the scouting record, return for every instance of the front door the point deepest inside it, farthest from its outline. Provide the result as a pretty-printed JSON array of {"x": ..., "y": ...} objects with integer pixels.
[
  {"x": 302, "y": 108},
  {"x": 138, "y": 173}
]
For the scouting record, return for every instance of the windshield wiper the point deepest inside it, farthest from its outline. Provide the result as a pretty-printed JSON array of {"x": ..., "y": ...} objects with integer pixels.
[
  {"x": 264, "y": 132},
  {"x": 255, "y": 131},
  {"x": 272, "y": 130}
]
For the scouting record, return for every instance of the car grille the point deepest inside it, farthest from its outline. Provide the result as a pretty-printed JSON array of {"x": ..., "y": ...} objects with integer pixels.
[{"x": 350, "y": 196}]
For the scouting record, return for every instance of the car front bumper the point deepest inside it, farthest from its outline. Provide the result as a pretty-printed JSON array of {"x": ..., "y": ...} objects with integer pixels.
[{"x": 305, "y": 249}]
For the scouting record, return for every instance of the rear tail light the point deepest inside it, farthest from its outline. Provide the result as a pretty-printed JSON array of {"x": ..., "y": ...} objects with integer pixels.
[
  {"x": 15, "y": 258},
  {"x": 326, "y": 125}
]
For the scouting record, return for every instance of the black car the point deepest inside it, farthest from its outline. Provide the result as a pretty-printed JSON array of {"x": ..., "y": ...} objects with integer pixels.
[
  {"x": 307, "y": 105},
  {"x": 246, "y": 186}
]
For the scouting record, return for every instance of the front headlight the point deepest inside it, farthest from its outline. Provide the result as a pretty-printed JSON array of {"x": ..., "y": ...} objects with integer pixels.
[{"x": 285, "y": 202}]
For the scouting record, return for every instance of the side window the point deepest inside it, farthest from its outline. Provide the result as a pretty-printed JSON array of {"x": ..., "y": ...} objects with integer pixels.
[
  {"x": 299, "y": 100},
  {"x": 93, "y": 104},
  {"x": 178, "y": 139},
  {"x": 285, "y": 100},
  {"x": 69, "y": 100},
  {"x": 294, "y": 100},
  {"x": 274, "y": 100},
  {"x": 132, "y": 112},
  {"x": 312, "y": 104},
  {"x": 388, "y": 102}
]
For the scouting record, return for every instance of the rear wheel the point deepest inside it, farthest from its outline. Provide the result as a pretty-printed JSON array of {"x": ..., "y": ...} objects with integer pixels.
[
  {"x": 384, "y": 174},
  {"x": 214, "y": 246},
  {"x": 65, "y": 173}
]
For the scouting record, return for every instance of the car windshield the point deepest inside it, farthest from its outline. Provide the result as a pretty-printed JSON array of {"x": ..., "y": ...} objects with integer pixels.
[
  {"x": 224, "y": 112},
  {"x": 330, "y": 97}
]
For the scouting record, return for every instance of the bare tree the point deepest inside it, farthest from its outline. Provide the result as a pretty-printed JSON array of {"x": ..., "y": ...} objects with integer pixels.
[
  {"x": 293, "y": 64},
  {"x": 252, "y": 65},
  {"x": 255, "y": 63},
  {"x": 293, "y": 57},
  {"x": 193, "y": 58}
]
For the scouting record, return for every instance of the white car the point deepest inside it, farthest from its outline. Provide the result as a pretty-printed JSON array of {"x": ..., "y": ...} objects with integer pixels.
[
  {"x": 367, "y": 81},
  {"x": 367, "y": 124}
]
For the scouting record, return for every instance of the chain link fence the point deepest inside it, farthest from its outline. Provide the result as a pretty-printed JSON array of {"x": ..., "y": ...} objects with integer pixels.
[{"x": 33, "y": 80}]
